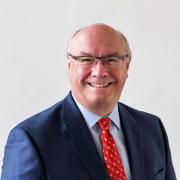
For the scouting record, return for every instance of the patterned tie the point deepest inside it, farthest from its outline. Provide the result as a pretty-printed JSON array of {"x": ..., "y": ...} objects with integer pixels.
[{"x": 112, "y": 159}]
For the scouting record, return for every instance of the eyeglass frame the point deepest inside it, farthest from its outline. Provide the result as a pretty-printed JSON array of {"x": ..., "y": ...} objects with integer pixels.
[{"x": 102, "y": 59}]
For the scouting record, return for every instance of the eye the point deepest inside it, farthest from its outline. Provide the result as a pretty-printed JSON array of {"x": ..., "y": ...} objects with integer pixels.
[
  {"x": 86, "y": 60},
  {"x": 112, "y": 60}
]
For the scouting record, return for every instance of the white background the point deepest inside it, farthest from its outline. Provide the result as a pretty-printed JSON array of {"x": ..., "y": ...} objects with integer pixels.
[{"x": 33, "y": 67}]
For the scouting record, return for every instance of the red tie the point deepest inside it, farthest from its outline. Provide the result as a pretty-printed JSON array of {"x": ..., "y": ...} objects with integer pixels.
[{"x": 112, "y": 159}]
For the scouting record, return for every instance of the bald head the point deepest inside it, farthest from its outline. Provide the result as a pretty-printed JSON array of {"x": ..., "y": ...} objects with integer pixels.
[{"x": 101, "y": 33}]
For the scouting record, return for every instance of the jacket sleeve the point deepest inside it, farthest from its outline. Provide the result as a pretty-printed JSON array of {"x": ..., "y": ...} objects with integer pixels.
[
  {"x": 21, "y": 160},
  {"x": 170, "y": 173}
]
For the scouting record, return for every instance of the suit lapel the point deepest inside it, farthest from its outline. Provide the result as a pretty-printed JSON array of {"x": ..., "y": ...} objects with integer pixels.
[
  {"x": 133, "y": 137},
  {"x": 81, "y": 141}
]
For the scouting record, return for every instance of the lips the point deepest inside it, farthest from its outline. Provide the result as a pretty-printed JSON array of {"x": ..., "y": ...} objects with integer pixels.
[{"x": 100, "y": 85}]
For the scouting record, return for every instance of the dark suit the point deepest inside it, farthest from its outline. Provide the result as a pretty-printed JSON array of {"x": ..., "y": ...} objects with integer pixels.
[{"x": 56, "y": 144}]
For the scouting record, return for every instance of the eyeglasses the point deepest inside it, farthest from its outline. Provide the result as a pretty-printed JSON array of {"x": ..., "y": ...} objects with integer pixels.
[{"x": 111, "y": 61}]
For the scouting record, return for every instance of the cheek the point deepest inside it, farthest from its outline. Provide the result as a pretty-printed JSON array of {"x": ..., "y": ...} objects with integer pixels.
[
  {"x": 83, "y": 73},
  {"x": 77, "y": 76},
  {"x": 121, "y": 78}
]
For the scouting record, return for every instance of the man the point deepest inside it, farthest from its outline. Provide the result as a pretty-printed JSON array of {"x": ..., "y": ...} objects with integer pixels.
[{"x": 89, "y": 134}]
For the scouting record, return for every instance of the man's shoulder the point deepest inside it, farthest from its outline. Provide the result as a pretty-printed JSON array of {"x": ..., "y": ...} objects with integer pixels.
[
  {"x": 42, "y": 119},
  {"x": 48, "y": 118},
  {"x": 148, "y": 123},
  {"x": 134, "y": 110},
  {"x": 138, "y": 115}
]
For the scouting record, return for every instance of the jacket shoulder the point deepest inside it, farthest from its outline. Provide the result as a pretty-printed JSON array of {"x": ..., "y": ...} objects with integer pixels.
[
  {"x": 141, "y": 117},
  {"x": 42, "y": 119},
  {"x": 135, "y": 111}
]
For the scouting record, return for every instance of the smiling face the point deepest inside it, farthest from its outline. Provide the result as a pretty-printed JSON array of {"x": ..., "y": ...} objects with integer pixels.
[{"x": 97, "y": 88}]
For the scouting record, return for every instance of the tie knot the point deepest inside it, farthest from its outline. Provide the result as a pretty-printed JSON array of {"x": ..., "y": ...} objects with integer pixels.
[{"x": 104, "y": 123}]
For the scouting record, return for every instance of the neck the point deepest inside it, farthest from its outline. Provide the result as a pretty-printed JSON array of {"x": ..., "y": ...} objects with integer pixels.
[{"x": 99, "y": 109}]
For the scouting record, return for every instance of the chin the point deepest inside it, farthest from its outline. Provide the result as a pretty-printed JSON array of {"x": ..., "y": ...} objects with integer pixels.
[{"x": 98, "y": 100}]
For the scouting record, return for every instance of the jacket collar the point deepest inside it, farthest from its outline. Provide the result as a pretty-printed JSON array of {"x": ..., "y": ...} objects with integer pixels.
[
  {"x": 133, "y": 137},
  {"x": 81, "y": 141}
]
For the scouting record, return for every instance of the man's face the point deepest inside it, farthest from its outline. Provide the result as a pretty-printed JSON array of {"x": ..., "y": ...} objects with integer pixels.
[{"x": 97, "y": 86}]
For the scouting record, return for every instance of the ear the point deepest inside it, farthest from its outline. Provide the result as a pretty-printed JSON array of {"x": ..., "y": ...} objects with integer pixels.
[
  {"x": 69, "y": 64},
  {"x": 68, "y": 69},
  {"x": 127, "y": 66}
]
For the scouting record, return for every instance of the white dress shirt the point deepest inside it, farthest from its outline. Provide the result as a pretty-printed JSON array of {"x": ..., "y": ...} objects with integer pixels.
[{"x": 115, "y": 129}]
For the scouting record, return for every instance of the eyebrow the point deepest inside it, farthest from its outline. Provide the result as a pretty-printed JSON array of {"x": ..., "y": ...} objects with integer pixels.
[{"x": 82, "y": 53}]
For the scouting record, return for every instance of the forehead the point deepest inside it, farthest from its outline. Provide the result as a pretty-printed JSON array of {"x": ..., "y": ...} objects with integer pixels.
[{"x": 98, "y": 41}]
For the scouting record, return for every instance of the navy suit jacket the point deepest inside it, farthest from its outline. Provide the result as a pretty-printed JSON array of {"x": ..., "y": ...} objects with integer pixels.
[{"x": 56, "y": 144}]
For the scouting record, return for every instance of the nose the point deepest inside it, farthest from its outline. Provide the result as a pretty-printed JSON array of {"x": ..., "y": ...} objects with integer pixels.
[{"x": 99, "y": 70}]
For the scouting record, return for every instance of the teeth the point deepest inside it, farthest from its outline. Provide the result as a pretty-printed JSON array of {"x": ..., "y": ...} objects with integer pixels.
[{"x": 99, "y": 85}]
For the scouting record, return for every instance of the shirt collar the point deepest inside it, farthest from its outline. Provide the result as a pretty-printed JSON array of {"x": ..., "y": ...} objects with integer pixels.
[{"x": 92, "y": 118}]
